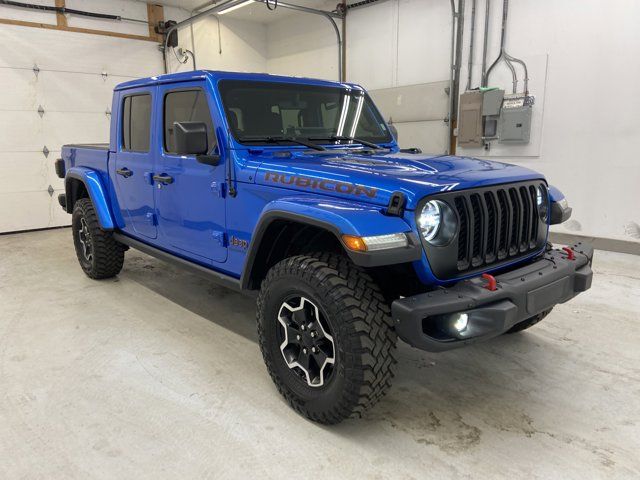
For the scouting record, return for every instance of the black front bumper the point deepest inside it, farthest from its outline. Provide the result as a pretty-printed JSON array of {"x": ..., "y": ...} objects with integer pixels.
[{"x": 426, "y": 321}]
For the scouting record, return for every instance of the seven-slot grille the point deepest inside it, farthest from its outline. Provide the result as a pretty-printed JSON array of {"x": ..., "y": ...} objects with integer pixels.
[{"x": 497, "y": 225}]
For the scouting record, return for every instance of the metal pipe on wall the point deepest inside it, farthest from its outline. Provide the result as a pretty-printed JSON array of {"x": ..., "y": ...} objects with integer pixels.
[
  {"x": 471, "y": 38},
  {"x": 454, "y": 81},
  {"x": 508, "y": 58},
  {"x": 483, "y": 79}
]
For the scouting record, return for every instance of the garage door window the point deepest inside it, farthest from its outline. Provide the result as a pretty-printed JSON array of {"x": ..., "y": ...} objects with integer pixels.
[
  {"x": 136, "y": 121},
  {"x": 186, "y": 106}
]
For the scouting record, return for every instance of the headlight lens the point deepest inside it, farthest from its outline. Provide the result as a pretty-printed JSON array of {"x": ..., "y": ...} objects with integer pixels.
[
  {"x": 438, "y": 222},
  {"x": 429, "y": 220},
  {"x": 542, "y": 201}
]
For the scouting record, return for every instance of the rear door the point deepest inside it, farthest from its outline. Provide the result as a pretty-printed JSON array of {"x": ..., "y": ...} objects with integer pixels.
[
  {"x": 134, "y": 162},
  {"x": 191, "y": 208}
]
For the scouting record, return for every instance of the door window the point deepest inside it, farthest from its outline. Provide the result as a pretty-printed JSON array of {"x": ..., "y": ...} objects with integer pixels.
[
  {"x": 186, "y": 106},
  {"x": 136, "y": 122}
]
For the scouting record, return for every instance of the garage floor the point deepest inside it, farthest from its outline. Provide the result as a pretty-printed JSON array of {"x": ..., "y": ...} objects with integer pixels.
[{"x": 157, "y": 374}]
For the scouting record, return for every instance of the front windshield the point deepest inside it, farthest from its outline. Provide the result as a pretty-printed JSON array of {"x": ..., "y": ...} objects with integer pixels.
[{"x": 262, "y": 112}]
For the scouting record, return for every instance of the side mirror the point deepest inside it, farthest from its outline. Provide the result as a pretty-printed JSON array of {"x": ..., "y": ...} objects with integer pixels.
[{"x": 190, "y": 138}]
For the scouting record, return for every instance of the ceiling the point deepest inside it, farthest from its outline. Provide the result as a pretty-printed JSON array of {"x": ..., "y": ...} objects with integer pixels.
[{"x": 256, "y": 12}]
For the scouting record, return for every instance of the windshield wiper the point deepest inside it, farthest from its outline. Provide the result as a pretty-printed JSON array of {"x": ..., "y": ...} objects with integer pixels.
[
  {"x": 268, "y": 139},
  {"x": 337, "y": 138}
]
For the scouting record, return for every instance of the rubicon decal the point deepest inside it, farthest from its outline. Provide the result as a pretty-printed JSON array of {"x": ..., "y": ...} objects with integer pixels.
[{"x": 321, "y": 184}]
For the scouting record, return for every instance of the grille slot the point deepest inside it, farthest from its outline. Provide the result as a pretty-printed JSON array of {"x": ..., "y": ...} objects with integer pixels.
[{"x": 496, "y": 224}]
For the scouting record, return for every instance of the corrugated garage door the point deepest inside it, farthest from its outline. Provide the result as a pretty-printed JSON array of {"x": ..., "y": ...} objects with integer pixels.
[{"x": 71, "y": 87}]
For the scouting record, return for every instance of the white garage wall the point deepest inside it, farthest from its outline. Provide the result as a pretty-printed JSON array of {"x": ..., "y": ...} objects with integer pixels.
[
  {"x": 228, "y": 44},
  {"x": 73, "y": 92},
  {"x": 579, "y": 53},
  {"x": 304, "y": 45},
  {"x": 589, "y": 131}
]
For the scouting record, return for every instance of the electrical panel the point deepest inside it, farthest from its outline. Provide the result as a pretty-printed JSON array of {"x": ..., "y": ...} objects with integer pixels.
[
  {"x": 489, "y": 114},
  {"x": 479, "y": 114},
  {"x": 514, "y": 125},
  {"x": 491, "y": 104},
  {"x": 470, "y": 119}
]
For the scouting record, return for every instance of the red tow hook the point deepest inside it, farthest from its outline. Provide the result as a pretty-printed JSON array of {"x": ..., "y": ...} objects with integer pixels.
[
  {"x": 570, "y": 253},
  {"x": 492, "y": 283}
]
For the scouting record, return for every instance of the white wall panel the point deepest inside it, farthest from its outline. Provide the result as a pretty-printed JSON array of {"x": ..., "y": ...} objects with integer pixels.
[
  {"x": 303, "y": 45},
  {"x": 29, "y": 171},
  {"x": 243, "y": 45},
  {"x": 22, "y": 83},
  {"x": 413, "y": 103},
  {"x": 21, "y": 131},
  {"x": 74, "y": 94},
  {"x": 430, "y": 137}
]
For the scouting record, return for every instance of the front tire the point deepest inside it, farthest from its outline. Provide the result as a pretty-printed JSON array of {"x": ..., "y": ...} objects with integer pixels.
[
  {"x": 347, "y": 366},
  {"x": 99, "y": 255}
]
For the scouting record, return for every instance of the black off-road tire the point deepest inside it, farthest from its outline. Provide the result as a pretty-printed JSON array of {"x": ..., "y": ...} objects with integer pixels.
[
  {"x": 529, "y": 322},
  {"x": 107, "y": 255},
  {"x": 359, "y": 320}
]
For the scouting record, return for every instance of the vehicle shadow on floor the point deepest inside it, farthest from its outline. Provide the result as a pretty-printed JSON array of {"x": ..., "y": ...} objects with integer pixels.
[
  {"x": 231, "y": 310},
  {"x": 433, "y": 395}
]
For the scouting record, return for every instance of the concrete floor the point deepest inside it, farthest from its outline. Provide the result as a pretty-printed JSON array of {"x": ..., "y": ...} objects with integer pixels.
[{"x": 157, "y": 374}]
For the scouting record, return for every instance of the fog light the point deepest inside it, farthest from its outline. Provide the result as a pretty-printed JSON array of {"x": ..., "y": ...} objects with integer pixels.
[{"x": 461, "y": 321}]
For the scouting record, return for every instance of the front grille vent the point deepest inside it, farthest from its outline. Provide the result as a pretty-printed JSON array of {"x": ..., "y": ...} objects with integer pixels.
[{"x": 496, "y": 225}]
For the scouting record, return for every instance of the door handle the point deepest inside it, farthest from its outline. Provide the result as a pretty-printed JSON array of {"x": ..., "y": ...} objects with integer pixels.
[
  {"x": 125, "y": 172},
  {"x": 163, "y": 178}
]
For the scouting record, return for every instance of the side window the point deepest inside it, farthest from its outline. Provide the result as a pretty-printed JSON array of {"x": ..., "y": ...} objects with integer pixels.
[
  {"x": 136, "y": 122},
  {"x": 186, "y": 106}
]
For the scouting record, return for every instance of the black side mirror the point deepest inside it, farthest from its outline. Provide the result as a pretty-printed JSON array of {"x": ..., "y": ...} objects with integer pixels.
[{"x": 190, "y": 138}]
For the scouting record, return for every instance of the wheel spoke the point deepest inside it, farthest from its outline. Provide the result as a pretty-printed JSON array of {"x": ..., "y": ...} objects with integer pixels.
[{"x": 306, "y": 345}]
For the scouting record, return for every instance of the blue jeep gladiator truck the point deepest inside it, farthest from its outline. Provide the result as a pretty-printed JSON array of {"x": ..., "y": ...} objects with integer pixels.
[{"x": 295, "y": 190}]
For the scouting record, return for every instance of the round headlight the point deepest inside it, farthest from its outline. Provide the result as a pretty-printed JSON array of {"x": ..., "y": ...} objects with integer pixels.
[
  {"x": 542, "y": 202},
  {"x": 429, "y": 220},
  {"x": 438, "y": 222}
]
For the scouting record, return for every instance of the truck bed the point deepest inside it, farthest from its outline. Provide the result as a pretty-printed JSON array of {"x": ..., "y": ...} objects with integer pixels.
[{"x": 92, "y": 155}]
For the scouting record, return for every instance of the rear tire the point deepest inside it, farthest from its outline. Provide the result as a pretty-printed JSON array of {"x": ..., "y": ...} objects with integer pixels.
[
  {"x": 529, "y": 322},
  {"x": 345, "y": 306},
  {"x": 100, "y": 256}
]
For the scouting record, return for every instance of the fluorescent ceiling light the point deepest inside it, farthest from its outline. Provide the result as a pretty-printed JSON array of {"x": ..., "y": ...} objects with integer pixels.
[{"x": 235, "y": 7}]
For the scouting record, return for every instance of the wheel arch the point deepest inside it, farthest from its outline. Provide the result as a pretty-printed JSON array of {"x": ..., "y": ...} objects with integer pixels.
[
  {"x": 292, "y": 226},
  {"x": 83, "y": 182}
]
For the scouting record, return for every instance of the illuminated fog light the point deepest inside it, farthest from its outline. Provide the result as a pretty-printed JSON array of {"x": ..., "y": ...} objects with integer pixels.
[{"x": 461, "y": 321}]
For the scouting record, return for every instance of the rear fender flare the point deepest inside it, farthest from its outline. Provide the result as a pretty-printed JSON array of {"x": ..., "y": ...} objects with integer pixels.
[{"x": 97, "y": 194}]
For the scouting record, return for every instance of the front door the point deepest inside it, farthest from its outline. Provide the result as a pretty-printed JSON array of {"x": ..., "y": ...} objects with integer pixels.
[
  {"x": 190, "y": 201},
  {"x": 133, "y": 165}
]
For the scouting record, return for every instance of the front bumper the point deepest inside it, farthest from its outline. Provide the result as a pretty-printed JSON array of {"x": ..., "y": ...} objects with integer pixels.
[{"x": 426, "y": 321}]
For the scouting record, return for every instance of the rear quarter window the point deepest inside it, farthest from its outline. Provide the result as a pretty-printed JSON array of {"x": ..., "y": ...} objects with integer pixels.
[{"x": 136, "y": 123}]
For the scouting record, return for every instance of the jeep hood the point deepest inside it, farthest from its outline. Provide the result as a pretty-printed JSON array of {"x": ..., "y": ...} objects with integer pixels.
[{"x": 373, "y": 178}]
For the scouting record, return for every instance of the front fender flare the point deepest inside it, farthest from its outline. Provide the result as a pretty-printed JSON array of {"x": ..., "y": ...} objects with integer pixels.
[
  {"x": 97, "y": 194},
  {"x": 339, "y": 218}
]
